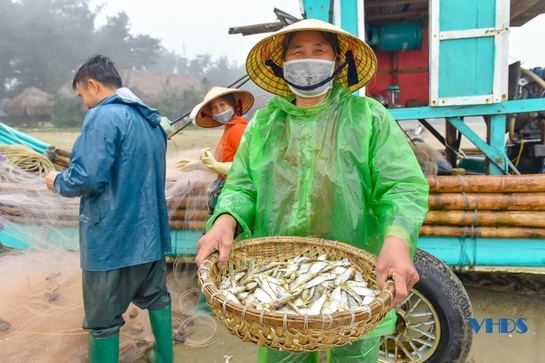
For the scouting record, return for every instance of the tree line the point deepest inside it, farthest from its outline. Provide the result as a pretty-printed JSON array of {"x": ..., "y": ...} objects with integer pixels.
[{"x": 43, "y": 41}]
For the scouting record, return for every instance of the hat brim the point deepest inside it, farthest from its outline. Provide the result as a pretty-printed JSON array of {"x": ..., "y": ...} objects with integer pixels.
[
  {"x": 271, "y": 48},
  {"x": 204, "y": 115}
]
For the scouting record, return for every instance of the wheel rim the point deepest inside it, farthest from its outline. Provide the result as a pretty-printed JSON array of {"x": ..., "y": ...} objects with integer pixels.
[{"x": 417, "y": 333}]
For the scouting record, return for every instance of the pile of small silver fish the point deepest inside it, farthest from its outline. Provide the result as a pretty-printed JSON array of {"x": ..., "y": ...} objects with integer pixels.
[{"x": 301, "y": 285}]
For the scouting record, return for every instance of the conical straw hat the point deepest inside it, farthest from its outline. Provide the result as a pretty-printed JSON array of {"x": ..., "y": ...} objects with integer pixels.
[
  {"x": 195, "y": 112},
  {"x": 244, "y": 101},
  {"x": 271, "y": 48}
]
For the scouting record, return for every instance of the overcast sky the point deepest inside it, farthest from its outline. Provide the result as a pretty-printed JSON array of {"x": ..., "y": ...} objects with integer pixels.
[{"x": 192, "y": 27}]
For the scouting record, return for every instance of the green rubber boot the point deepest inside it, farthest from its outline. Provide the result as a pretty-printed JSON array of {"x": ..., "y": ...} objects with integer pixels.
[
  {"x": 202, "y": 307},
  {"x": 105, "y": 350},
  {"x": 161, "y": 325}
]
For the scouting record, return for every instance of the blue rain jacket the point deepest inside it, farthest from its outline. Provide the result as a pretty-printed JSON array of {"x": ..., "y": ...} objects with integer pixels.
[{"x": 118, "y": 169}]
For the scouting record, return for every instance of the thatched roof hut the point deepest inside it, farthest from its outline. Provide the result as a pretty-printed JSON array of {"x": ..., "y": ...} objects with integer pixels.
[
  {"x": 32, "y": 102},
  {"x": 150, "y": 87}
]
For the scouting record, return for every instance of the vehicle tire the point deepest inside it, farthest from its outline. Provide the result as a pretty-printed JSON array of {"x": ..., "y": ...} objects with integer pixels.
[
  {"x": 423, "y": 133},
  {"x": 433, "y": 321}
]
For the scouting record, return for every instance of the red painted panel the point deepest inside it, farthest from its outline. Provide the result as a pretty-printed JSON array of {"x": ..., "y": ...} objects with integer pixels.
[{"x": 413, "y": 85}]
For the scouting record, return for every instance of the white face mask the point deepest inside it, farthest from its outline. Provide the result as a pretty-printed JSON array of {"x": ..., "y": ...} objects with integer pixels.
[
  {"x": 307, "y": 73},
  {"x": 225, "y": 116}
]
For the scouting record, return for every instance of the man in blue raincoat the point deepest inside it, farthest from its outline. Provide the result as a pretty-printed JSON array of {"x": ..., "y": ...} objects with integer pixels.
[{"x": 118, "y": 169}]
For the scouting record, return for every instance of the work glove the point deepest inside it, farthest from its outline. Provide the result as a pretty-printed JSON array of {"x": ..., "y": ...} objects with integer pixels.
[
  {"x": 211, "y": 163},
  {"x": 186, "y": 164},
  {"x": 167, "y": 126}
]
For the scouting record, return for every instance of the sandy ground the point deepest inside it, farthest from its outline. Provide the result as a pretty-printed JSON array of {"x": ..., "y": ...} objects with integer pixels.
[
  {"x": 501, "y": 302},
  {"x": 489, "y": 300}
]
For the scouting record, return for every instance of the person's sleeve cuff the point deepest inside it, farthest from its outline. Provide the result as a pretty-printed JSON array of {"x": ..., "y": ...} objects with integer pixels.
[{"x": 399, "y": 232}]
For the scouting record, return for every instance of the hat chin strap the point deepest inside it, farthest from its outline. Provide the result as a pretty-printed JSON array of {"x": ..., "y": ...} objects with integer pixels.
[
  {"x": 239, "y": 107},
  {"x": 352, "y": 76}
]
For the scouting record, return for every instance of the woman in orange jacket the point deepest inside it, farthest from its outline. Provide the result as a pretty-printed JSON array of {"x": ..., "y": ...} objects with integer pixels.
[{"x": 221, "y": 106}]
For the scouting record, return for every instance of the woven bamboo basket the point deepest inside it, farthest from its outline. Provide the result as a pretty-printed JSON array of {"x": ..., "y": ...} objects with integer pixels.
[{"x": 291, "y": 332}]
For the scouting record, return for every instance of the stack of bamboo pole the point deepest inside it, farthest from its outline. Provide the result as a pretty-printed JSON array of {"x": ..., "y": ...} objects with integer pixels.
[
  {"x": 35, "y": 205},
  {"x": 510, "y": 206},
  {"x": 189, "y": 212},
  {"x": 59, "y": 157}
]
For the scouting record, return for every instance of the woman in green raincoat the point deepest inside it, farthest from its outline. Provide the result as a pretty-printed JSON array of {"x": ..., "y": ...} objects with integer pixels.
[{"x": 320, "y": 161}]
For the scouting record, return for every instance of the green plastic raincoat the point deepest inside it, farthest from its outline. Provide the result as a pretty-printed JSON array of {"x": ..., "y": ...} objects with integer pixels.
[{"x": 340, "y": 170}]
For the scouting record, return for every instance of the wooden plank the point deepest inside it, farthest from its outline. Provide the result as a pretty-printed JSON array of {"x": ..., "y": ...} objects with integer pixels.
[
  {"x": 417, "y": 14},
  {"x": 521, "y": 7},
  {"x": 257, "y": 29},
  {"x": 507, "y": 107},
  {"x": 528, "y": 14},
  {"x": 522, "y": 11},
  {"x": 380, "y": 3}
]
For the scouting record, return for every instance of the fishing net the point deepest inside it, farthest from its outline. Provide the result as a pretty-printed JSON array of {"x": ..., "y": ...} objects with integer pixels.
[{"x": 41, "y": 304}]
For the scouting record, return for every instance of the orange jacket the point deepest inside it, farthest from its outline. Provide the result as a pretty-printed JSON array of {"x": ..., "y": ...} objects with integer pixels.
[{"x": 230, "y": 140}]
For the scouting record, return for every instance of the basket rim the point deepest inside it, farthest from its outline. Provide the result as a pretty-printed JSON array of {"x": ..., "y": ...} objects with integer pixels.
[{"x": 379, "y": 305}]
